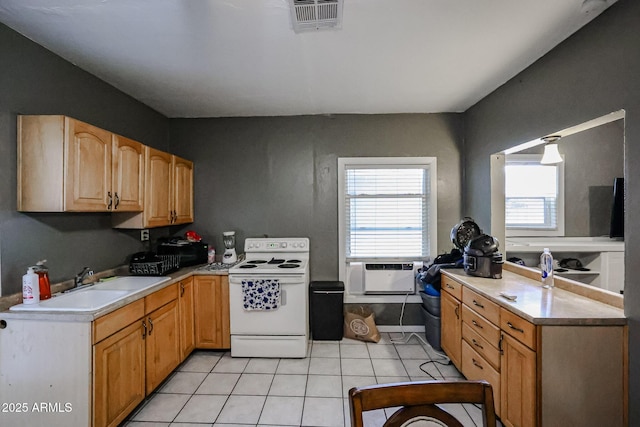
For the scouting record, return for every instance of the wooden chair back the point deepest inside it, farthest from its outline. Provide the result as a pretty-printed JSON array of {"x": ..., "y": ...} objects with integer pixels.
[{"x": 419, "y": 401}]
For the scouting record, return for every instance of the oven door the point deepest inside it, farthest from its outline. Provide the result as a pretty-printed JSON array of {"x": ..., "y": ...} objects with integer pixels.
[{"x": 290, "y": 318}]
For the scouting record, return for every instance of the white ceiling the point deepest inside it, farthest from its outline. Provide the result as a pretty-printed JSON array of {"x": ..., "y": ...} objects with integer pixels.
[{"x": 218, "y": 58}]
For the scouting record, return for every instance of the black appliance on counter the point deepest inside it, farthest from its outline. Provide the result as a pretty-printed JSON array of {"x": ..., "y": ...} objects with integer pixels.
[
  {"x": 481, "y": 257},
  {"x": 190, "y": 253}
]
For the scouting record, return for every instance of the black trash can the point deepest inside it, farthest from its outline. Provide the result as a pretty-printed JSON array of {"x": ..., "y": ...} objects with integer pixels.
[{"x": 326, "y": 310}]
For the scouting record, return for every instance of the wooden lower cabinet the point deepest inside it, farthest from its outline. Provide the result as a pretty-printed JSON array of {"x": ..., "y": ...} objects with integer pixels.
[
  {"x": 163, "y": 344},
  {"x": 211, "y": 310},
  {"x": 136, "y": 348},
  {"x": 518, "y": 384},
  {"x": 451, "y": 324},
  {"x": 545, "y": 374},
  {"x": 187, "y": 318},
  {"x": 119, "y": 375}
]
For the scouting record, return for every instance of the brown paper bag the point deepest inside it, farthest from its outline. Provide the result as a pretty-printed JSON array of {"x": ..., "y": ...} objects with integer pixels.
[{"x": 359, "y": 324}]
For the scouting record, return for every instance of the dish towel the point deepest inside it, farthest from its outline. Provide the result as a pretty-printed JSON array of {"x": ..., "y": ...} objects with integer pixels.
[{"x": 261, "y": 294}]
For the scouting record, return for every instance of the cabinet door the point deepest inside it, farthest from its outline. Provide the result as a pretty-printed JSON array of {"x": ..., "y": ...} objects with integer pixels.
[
  {"x": 451, "y": 327},
  {"x": 212, "y": 312},
  {"x": 163, "y": 343},
  {"x": 88, "y": 167},
  {"x": 158, "y": 204},
  {"x": 128, "y": 175},
  {"x": 119, "y": 375},
  {"x": 517, "y": 384},
  {"x": 187, "y": 325},
  {"x": 182, "y": 191}
]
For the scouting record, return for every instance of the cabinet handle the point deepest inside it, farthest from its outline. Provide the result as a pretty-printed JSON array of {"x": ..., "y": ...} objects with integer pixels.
[
  {"x": 144, "y": 329},
  {"x": 500, "y": 344},
  {"x": 476, "y": 324},
  {"x": 476, "y": 343},
  {"x": 181, "y": 289},
  {"x": 449, "y": 286},
  {"x": 117, "y": 201},
  {"x": 476, "y": 363},
  {"x": 150, "y": 325},
  {"x": 457, "y": 311},
  {"x": 509, "y": 324},
  {"x": 110, "y": 202},
  {"x": 477, "y": 304}
]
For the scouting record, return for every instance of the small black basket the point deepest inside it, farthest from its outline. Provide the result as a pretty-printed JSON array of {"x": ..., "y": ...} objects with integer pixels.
[{"x": 165, "y": 264}]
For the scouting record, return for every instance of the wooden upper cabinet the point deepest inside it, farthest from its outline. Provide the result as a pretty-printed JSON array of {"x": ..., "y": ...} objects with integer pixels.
[
  {"x": 168, "y": 193},
  {"x": 88, "y": 167},
  {"x": 128, "y": 174},
  {"x": 65, "y": 165},
  {"x": 182, "y": 191},
  {"x": 158, "y": 206}
]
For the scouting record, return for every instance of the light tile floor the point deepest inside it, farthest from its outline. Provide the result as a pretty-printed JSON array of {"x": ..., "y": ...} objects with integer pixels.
[{"x": 212, "y": 389}]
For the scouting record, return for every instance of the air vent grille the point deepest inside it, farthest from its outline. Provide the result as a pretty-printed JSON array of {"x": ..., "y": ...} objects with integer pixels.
[{"x": 309, "y": 15}]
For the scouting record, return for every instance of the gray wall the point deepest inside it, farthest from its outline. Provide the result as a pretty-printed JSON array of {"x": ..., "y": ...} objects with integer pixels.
[
  {"x": 34, "y": 81},
  {"x": 591, "y": 74},
  {"x": 277, "y": 176},
  {"x": 592, "y": 159}
]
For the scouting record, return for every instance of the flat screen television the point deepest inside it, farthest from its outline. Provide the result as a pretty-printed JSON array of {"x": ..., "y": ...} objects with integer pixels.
[{"x": 616, "y": 229}]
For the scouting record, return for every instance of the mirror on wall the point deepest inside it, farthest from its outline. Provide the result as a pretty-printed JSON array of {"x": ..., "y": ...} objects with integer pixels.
[{"x": 586, "y": 240}]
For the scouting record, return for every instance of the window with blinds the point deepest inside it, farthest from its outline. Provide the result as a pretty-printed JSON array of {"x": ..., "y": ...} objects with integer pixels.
[
  {"x": 387, "y": 208},
  {"x": 533, "y": 197}
]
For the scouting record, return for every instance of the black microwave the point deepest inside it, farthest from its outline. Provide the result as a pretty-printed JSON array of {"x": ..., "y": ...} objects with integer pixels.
[{"x": 191, "y": 253}]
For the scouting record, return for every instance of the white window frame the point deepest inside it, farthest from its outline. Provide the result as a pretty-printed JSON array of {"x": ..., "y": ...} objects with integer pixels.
[
  {"x": 428, "y": 163},
  {"x": 523, "y": 231}
]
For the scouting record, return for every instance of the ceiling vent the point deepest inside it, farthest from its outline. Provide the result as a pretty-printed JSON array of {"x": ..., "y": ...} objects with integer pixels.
[{"x": 311, "y": 15}]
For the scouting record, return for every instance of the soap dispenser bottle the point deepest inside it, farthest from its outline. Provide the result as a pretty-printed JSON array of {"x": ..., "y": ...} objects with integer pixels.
[
  {"x": 43, "y": 280},
  {"x": 30, "y": 288}
]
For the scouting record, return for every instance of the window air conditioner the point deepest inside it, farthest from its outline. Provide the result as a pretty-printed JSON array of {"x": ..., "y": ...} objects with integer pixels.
[{"x": 392, "y": 278}]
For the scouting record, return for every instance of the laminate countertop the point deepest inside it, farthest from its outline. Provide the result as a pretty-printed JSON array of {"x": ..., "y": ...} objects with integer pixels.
[{"x": 540, "y": 306}]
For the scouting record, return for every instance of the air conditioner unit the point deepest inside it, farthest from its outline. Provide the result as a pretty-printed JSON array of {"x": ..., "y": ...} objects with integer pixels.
[
  {"x": 391, "y": 278},
  {"x": 310, "y": 15}
]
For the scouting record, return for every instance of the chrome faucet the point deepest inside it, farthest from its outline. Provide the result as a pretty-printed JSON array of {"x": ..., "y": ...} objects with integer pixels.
[{"x": 82, "y": 275}]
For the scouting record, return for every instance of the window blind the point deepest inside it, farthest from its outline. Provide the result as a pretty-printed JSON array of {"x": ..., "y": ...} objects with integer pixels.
[{"x": 387, "y": 212}]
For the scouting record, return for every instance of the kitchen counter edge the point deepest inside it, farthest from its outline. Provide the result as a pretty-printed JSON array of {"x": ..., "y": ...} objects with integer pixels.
[{"x": 90, "y": 316}]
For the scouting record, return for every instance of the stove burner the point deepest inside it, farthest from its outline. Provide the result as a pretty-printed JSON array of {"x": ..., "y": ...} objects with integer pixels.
[
  {"x": 276, "y": 261},
  {"x": 288, "y": 266},
  {"x": 248, "y": 266},
  {"x": 297, "y": 261},
  {"x": 256, "y": 261}
]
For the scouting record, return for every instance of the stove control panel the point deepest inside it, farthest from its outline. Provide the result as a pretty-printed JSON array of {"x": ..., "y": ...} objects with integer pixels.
[{"x": 276, "y": 245}]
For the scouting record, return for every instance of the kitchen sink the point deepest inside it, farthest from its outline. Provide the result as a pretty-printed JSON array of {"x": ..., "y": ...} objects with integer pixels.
[{"x": 95, "y": 297}]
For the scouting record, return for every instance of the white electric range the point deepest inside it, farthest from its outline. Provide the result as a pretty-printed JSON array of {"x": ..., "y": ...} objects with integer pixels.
[{"x": 277, "y": 325}]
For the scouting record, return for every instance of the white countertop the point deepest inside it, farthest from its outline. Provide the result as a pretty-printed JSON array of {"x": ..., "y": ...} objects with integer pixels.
[{"x": 541, "y": 306}]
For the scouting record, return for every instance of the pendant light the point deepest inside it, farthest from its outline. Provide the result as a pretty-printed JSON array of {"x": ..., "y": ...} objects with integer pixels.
[{"x": 551, "y": 155}]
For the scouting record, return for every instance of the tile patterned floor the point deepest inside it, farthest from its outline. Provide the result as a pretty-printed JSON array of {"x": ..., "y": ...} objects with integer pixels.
[{"x": 212, "y": 389}]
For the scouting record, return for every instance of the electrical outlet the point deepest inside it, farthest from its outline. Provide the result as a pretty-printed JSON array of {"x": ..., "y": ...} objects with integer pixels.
[{"x": 144, "y": 235}]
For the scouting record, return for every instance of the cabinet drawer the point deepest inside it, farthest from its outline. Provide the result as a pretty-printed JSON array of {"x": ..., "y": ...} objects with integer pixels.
[
  {"x": 160, "y": 298},
  {"x": 481, "y": 346},
  {"x": 111, "y": 323},
  {"x": 518, "y": 328},
  {"x": 475, "y": 367},
  {"x": 481, "y": 305},
  {"x": 451, "y": 286},
  {"x": 482, "y": 326}
]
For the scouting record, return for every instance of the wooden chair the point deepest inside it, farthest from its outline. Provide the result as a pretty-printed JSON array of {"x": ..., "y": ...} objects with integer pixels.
[{"x": 418, "y": 401}]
